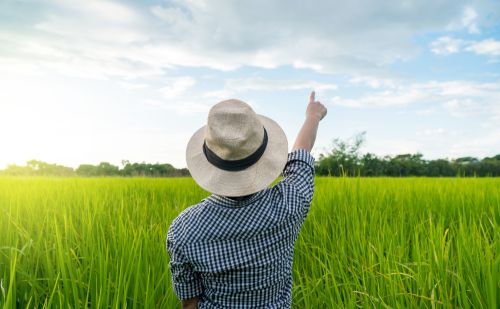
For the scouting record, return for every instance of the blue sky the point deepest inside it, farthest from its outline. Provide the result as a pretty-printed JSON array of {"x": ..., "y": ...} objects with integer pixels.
[{"x": 91, "y": 81}]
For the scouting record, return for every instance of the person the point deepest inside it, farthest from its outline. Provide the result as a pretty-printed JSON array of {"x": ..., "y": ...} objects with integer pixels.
[{"x": 234, "y": 249}]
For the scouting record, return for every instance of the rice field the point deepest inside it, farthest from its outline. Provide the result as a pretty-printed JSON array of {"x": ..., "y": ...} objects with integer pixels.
[{"x": 367, "y": 242}]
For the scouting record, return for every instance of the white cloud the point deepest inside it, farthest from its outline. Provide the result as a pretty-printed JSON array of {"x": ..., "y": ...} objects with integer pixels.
[
  {"x": 394, "y": 146},
  {"x": 469, "y": 20},
  {"x": 373, "y": 82},
  {"x": 489, "y": 47},
  {"x": 326, "y": 36},
  {"x": 263, "y": 84},
  {"x": 458, "y": 98},
  {"x": 485, "y": 145},
  {"x": 398, "y": 97},
  {"x": 177, "y": 86},
  {"x": 426, "y": 111},
  {"x": 460, "y": 107},
  {"x": 99, "y": 39},
  {"x": 172, "y": 15},
  {"x": 199, "y": 102},
  {"x": 100, "y": 10},
  {"x": 446, "y": 45},
  {"x": 182, "y": 105},
  {"x": 431, "y": 132},
  {"x": 93, "y": 20}
]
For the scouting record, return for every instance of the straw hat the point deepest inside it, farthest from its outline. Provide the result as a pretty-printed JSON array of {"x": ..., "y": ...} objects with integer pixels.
[{"x": 238, "y": 152}]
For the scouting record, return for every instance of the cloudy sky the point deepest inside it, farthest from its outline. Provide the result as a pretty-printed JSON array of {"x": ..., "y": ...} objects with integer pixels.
[{"x": 90, "y": 81}]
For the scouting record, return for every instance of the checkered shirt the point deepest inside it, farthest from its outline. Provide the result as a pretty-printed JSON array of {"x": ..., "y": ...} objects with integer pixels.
[{"x": 238, "y": 254}]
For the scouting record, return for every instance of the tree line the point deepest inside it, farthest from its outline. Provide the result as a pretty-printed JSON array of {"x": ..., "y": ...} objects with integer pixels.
[
  {"x": 344, "y": 159},
  {"x": 40, "y": 168}
]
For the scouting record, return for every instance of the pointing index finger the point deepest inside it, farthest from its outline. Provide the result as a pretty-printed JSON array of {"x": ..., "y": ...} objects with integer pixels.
[{"x": 312, "y": 97}]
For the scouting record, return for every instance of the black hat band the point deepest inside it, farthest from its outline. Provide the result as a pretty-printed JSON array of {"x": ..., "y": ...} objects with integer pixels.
[{"x": 235, "y": 165}]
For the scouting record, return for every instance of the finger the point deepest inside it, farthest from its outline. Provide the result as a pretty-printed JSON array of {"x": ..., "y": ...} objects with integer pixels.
[{"x": 312, "y": 97}]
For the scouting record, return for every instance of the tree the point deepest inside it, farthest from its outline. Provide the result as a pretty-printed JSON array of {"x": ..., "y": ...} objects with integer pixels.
[
  {"x": 372, "y": 165},
  {"x": 41, "y": 168},
  {"x": 343, "y": 159},
  {"x": 87, "y": 170},
  {"x": 466, "y": 160},
  {"x": 440, "y": 167},
  {"x": 38, "y": 168},
  {"x": 107, "y": 169}
]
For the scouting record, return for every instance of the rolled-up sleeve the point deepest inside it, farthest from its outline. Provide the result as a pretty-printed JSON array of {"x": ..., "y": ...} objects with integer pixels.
[
  {"x": 185, "y": 280},
  {"x": 298, "y": 175}
]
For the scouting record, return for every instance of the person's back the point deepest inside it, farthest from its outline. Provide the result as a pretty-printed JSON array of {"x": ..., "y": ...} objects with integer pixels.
[{"x": 237, "y": 253}]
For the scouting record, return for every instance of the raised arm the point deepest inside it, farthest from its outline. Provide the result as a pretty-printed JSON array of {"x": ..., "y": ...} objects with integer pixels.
[
  {"x": 298, "y": 175},
  {"x": 307, "y": 135}
]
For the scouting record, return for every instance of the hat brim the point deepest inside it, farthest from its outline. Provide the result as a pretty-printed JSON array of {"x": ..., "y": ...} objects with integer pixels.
[{"x": 239, "y": 183}]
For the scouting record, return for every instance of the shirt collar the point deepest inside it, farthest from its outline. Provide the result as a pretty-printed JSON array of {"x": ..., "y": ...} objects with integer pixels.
[{"x": 228, "y": 202}]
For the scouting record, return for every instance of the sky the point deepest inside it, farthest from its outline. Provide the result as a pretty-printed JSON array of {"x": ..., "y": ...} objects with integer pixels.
[{"x": 92, "y": 81}]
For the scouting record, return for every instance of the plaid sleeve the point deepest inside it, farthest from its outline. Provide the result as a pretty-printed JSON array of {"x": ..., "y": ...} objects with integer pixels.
[
  {"x": 299, "y": 174},
  {"x": 185, "y": 281}
]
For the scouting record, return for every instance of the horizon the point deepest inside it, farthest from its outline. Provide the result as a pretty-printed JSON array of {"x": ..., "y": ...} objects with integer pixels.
[
  {"x": 106, "y": 81},
  {"x": 121, "y": 164}
]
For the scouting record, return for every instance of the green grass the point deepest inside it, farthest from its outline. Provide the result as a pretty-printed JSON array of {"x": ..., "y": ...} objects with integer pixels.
[{"x": 382, "y": 242}]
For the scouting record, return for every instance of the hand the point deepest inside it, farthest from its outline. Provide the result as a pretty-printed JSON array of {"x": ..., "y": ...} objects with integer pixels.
[
  {"x": 315, "y": 109},
  {"x": 307, "y": 135}
]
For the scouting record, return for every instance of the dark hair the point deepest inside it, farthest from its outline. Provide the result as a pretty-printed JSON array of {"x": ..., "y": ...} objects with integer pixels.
[{"x": 240, "y": 198}]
